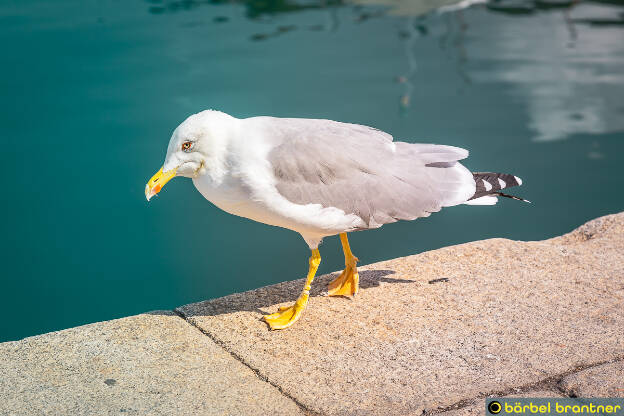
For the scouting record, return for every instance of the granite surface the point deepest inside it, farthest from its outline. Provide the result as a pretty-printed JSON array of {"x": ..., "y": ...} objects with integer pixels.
[{"x": 150, "y": 364}]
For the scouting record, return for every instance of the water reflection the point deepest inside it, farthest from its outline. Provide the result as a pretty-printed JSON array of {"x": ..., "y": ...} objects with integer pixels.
[
  {"x": 416, "y": 8},
  {"x": 528, "y": 7},
  {"x": 258, "y": 8},
  {"x": 254, "y": 8},
  {"x": 568, "y": 74},
  {"x": 451, "y": 40}
]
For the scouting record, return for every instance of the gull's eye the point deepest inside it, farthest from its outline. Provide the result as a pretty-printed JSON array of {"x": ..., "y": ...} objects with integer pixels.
[{"x": 186, "y": 146}]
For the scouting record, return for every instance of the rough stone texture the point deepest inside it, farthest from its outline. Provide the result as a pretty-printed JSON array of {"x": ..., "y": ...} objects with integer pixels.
[
  {"x": 147, "y": 364},
  {"x": 606, "y": 380},
  {"x": 477, "y": 407},
  {"x": 511, "y": 314}
]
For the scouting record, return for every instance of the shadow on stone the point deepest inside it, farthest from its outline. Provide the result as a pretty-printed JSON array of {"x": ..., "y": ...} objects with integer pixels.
[
  {"x": 252, "y": 301},
  {"x": 372, "y": 278}
]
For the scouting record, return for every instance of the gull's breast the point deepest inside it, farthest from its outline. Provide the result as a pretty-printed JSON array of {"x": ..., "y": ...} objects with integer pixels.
[
  {"x": 262, "y": 203},
  {"x": 229, "y": 194}
]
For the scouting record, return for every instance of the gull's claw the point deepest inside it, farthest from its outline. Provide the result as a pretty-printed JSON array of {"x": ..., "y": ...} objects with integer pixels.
[{"x": 287, "y": 315}]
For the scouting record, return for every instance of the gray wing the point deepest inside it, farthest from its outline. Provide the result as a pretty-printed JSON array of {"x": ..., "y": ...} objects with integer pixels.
[{"x": 360, "y": 170}]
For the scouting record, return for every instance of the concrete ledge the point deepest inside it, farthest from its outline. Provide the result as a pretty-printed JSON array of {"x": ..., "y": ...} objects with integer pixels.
[
  {"x": 434, "y": 332},
  {"x": 147, "y": 364}
]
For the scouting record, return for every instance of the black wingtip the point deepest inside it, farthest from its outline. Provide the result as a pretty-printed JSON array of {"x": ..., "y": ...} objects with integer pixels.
[
  {"x": 492, "y": 183},
  {"x": 517, "y": 198}
]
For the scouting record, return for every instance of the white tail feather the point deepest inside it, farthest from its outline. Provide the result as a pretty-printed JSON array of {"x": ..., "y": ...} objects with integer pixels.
[{"x": 484, "y": 200}]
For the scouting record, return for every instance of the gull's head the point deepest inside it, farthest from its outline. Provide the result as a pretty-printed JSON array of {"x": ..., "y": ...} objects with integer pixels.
[{"x": 192, "y": 144}]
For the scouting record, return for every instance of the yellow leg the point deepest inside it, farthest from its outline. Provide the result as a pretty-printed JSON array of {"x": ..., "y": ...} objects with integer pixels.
[
  {"x": 289, "y": 315},
  {"x": 348, "y": 283}
]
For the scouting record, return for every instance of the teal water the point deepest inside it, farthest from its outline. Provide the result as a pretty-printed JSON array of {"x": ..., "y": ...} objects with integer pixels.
[{"x": 91, "y": 91}]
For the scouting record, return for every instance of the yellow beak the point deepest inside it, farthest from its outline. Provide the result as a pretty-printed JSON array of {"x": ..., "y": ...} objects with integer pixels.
[{"x": 158, "y": 181}]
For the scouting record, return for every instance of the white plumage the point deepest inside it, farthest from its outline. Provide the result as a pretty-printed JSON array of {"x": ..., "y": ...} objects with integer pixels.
[
  {"x": 317, "y": 177},
  {"x": 488, "y": 186}
]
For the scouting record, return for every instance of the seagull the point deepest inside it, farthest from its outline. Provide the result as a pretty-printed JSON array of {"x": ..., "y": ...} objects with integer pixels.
[{"x": 320, "y": 178}]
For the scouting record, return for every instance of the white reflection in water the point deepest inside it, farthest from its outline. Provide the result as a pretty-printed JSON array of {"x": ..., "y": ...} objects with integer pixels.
[
  {"x": 417, "y": 8},
  {"x": 570, "y": 76}
]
